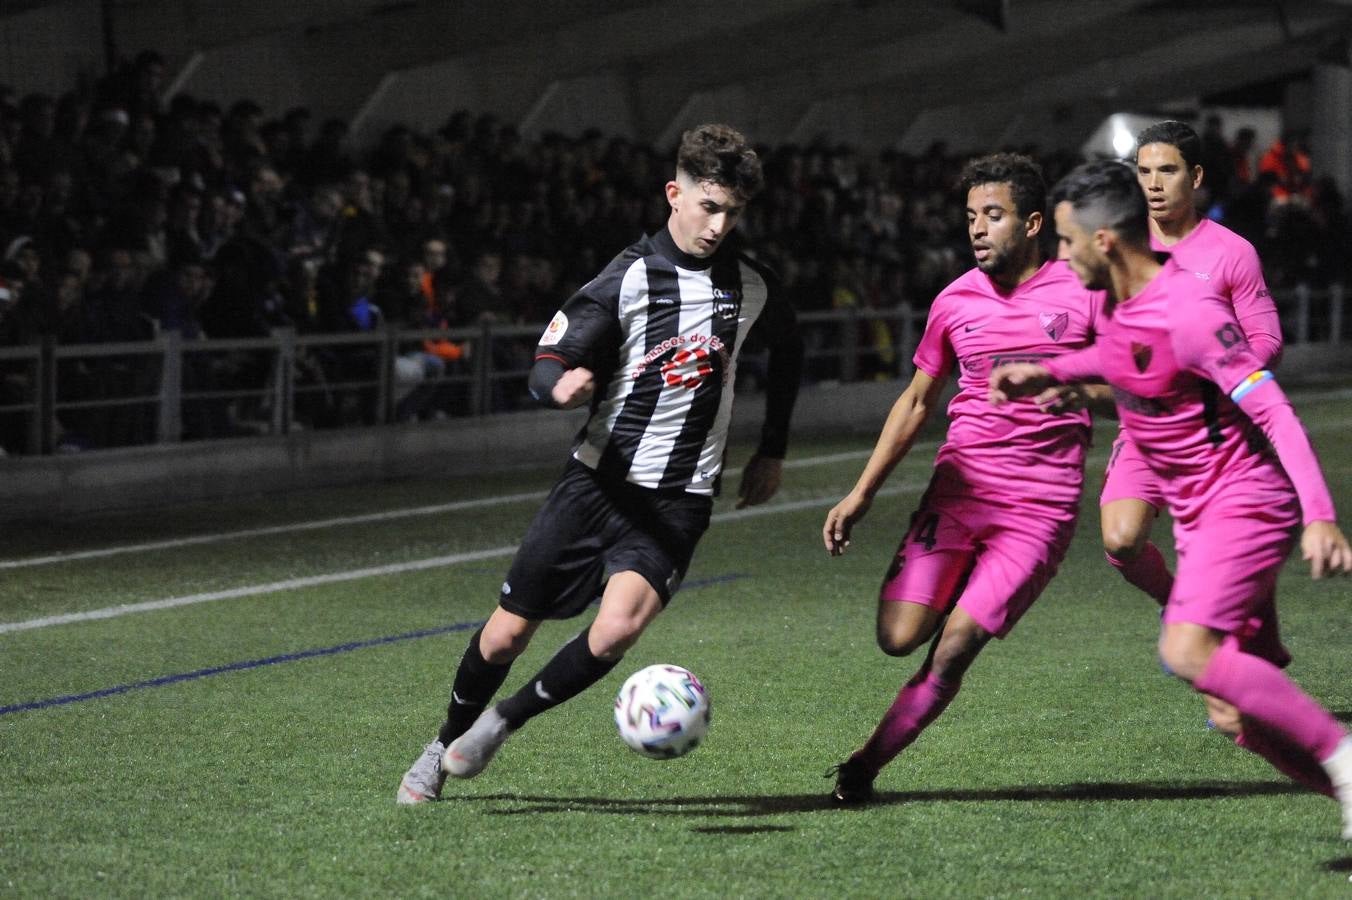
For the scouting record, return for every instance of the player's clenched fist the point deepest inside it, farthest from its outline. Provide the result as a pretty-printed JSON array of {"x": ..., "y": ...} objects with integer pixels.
[{"x": 574, "y": 388}]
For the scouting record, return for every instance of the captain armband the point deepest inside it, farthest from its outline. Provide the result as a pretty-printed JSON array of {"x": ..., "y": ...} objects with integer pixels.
[{"x": 1248, "y": 384}]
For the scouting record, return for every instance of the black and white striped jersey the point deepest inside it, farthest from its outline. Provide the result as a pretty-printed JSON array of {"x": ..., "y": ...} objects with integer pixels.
[{"x": 661, "y": 330}]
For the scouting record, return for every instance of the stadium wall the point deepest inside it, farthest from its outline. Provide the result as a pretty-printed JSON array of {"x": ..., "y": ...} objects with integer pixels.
[{"x": 63, "y": 486}]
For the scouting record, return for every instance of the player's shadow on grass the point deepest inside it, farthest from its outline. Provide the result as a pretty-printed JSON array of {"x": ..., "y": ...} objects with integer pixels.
[{"x": 741, "y": 806}]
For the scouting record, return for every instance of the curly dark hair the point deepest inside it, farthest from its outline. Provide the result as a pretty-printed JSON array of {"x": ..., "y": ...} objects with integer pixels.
[
  {"x": 1105, "y": 194},
  {"x": 1024, "y": 177},
  {"x": 722, "y": 155}
]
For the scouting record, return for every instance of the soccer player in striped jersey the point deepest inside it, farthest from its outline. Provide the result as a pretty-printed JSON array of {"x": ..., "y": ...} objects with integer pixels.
[
  {"x": 998, "y": 515},
  {"x": 1235, "y": 467},
  {"x": 651, "y": 344}
]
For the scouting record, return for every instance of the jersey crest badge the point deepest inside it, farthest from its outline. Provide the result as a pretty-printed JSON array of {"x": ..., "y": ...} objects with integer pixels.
[
  {"x": 688, "y": 368},
  {"x": 727, "y": 303},
  {"x": 1055, "y": 324},
  {"x": 554, "y": 330},
  {"x": 1140, "y": 354}
]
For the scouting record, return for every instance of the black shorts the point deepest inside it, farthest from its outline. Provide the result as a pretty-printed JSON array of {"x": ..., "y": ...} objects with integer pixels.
[{"x": 589, "y": 528}]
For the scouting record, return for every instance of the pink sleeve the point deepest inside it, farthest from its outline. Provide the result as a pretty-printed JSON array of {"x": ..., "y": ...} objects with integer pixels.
[
  {"x": 1211, "y": 344},
  {"x": 1266, "y": 404},
  {"x": 1082, "y": 365},
  {"x": 934, "y": 354},
  {"x": 1254, "y": 307},
  {"x": 1207, "y": 341}
]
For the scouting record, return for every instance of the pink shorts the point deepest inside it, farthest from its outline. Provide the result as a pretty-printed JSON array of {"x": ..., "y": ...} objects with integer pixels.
[
  {"x": 1128, "y": 477},
  {"x": 1228, "y": 563},
  {"x": 995, "y": 559}
]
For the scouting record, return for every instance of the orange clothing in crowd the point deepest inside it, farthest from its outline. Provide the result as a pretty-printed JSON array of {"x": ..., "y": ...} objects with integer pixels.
[
  {"x": 1292, "y": 168},
  {"x": 449, "y": 351}
]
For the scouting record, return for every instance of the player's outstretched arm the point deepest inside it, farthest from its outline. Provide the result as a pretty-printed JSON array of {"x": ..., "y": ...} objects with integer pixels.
[
  {"x": 1322, "y": 543},
  {"x": 1326, "y": 549},
  {"x": 908, "y": 415}
]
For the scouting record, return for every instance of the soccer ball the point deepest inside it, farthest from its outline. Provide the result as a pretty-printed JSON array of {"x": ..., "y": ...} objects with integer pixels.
[{"x": 662, "y": 711}]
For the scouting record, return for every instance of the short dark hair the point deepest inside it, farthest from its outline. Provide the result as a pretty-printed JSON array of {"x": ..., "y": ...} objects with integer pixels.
[
  {"x": 721, "y": 154},
  {"x": 1105, "y": 194},
  {"x": 1176, "y": 134},
  {"x": 1021, "y": 173}
]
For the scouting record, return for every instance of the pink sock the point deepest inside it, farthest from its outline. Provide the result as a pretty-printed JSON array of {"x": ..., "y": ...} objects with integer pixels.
[
  {"x": 1262, "y": 693},
  {"x": 1148, "y": 571},
  {"x": 918, "y": 704},
  {"x": 1286, "y": 757}
]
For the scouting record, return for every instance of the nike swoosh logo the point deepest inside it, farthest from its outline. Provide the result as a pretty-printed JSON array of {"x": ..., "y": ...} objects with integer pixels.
[
  {"x": 455, "y": 698},
  {"x": 972, "y": 327},
  {"x": 542, "y": 693}
]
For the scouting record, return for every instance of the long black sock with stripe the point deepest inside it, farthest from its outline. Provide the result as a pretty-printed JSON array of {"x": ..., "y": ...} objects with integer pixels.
[
  {"x": 476, "y": 681},
  {"x": 572, "y": 670}
]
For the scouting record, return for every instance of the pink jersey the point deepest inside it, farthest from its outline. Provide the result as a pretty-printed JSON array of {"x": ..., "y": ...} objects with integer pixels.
[
  {"x": 1015, "y": 452},
  {"x": 1230, "y": 266},
  {"x": 1179, "y": 364}
]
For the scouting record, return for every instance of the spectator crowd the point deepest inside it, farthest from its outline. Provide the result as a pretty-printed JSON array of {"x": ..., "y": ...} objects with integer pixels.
[{"x": 123, "y": 215}]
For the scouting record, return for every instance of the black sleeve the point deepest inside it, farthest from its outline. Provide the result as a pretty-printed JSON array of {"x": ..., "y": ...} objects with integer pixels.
[
  {"x": 543, "y": 376},
  {"x": 587, "y": 327},
  {"x": 584, "y": 332},
  {"x": 777, "y": 327}
]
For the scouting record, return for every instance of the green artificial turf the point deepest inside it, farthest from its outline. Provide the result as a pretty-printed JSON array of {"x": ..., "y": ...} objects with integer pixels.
[{"x": 1069, "y": 765}]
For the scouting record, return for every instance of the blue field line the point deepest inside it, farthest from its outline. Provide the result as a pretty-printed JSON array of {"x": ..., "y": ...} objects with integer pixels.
[{"x": 285, "y": 658}]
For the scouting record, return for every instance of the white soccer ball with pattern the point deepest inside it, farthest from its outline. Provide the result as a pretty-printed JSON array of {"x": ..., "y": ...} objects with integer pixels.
[{"x": 662, "y": 711}]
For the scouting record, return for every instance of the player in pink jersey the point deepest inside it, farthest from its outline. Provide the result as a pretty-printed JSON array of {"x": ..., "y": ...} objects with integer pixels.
[
  {"x": 1207, "y": 416},
  {"x": 1000, "y": 509},
  {"x": 1168, "y": 168}
]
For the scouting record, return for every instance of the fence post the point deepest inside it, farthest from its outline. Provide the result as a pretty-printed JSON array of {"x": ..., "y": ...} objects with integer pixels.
[
  {"x": 849, "y": 346},
  {"x": 1302, "y": 292},
  {"x": 907, "y": 338},
  {"x": 42, "y": 433},
  {"x": 1336, "y": 313},
  {"x": 389, "y": 351},
  {"x": 483, "y": 371},
  {"x": 171, "y": 387},
  {"x": 284, "y": 363}
]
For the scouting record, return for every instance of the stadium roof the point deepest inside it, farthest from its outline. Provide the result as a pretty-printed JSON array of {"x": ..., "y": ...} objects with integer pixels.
[{"x": 800, "y": 64}]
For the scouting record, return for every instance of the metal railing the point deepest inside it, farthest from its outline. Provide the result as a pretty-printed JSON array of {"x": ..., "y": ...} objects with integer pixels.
[{"x": 56, "y": 398}]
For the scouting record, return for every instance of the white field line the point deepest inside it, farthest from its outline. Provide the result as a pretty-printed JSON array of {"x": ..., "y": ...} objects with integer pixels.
[
  {"x": 344, "y": 521},
  {"x": 433, "y": 562},
  {"x": 416, "y": 565},
  {"x": 313, "y": 525},
  {"x": 454, "y": 506}
]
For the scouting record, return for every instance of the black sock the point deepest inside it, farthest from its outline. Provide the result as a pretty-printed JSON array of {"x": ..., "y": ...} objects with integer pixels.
[
  {"x": 476, "y": 681},
  {"x": 572, "y": 670}
]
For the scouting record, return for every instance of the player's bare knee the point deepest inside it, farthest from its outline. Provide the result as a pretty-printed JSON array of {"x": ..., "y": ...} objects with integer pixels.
[
  {"x": 1187, "y": 658},
  {"x": 899, "y": 642},
  {"x": 1123, "y": 541},
  {"x": 504, "y": 638},
  {"x": 610, "y": 636},
  {"x": 1125, "y": 532},
  {"x": 903, "y": 628}
]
